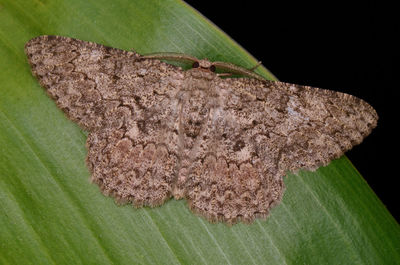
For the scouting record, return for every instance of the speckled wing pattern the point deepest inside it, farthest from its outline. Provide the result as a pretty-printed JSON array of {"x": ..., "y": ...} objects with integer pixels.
[
  {"x": 156, "y": 131},
  {"x": 125, "y": 104},
  {"x": 260, "y": 131}
]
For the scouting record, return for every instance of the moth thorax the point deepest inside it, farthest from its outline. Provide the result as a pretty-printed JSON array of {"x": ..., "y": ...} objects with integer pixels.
[
  {"x": 195, "y": 113},
  {"x": 198, "y": 78}
]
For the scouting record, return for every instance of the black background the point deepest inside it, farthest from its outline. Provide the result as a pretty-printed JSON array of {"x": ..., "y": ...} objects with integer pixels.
[{"x": 349, "y": 47}]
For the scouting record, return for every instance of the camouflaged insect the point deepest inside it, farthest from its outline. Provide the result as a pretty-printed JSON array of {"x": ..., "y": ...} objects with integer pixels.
[{"x": 224, "y": 144}]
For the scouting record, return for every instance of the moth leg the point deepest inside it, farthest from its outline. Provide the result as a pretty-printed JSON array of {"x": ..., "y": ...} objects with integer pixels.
[{"x": 224, "y": 74}]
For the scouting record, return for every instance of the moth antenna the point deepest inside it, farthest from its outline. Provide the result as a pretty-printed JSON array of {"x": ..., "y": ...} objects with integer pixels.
[
  {"x": 234, "y": 69},
  {"x": 255, "y": 66},
  {"x": 171, "y": 56}
]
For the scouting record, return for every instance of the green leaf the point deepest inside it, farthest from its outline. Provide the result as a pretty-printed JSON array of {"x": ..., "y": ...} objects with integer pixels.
[{"x": 50, "y": 213}]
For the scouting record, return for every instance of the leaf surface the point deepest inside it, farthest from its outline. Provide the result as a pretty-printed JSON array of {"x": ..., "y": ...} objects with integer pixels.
[{"x": 50, "y": 213}]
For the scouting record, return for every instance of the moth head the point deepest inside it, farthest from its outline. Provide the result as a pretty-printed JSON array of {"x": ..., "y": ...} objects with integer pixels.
[
  {"x": 203, "y": 70},
  {"x": 204, "y": 64}
]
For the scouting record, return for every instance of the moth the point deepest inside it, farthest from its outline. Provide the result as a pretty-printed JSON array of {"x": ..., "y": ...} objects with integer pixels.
[{"x": 222, "y": 143}]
